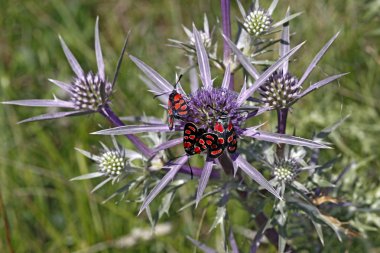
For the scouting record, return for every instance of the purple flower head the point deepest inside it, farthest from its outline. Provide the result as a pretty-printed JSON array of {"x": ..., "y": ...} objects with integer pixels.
[
  {"x": 207, "y": 106},
  {"x": 89, "y": 92}
]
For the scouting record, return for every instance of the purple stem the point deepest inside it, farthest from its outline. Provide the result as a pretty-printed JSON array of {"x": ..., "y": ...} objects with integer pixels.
[
  {"x": 111, "y": 116},
  {"x": 282, "y": 115},
  {"x": 226, "y": 26}
]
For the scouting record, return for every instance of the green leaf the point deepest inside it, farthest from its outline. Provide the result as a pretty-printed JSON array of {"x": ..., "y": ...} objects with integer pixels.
[
  {"x": 325, "y": 132},
  {"x": 101, "y": 184},
  {"x": 166, "y": 202},
  {"x": 219, "y": 218},
  {"x": 318, "y": 228}
]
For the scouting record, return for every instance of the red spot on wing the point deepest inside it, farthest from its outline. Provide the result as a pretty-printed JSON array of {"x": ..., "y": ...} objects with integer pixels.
[
  {"x": 216, "y": 152},
  {"x": 177, "y": 97},
  {"x": 218, "y": 127}
]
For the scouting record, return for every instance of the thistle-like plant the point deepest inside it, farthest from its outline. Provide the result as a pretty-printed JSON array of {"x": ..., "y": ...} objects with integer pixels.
[
  {"x": 206, "y": 107},
  {"x": 213, "y": 122}
]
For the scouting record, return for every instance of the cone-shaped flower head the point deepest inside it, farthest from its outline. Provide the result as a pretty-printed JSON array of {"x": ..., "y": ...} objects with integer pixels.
[
  {"x": 90, "y": 93},
  {"x": 257, "y": 22},
  {"x": 279, "y": 90}
]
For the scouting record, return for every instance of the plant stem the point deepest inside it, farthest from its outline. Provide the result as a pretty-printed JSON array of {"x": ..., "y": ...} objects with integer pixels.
[
  {"x": 111, "y": 116},
  {"x": 7, "y": 228},
  {"x": 270, "y": 233},
  {"x": 226, "y": 27},
  {"x": 282, "y": 115}
]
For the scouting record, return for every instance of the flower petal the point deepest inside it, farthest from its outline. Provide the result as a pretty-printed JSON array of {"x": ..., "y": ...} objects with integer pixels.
[
  {"x": 286, "y": 19},
  {"x": 256, "y": 175},
  {"x": 193, "y": 76},
  {"x": 72, "y": 61},
  {"x": 242, "y": 59},
  {"x": 168, "y": 144},
  {"x": 282, "y": 138},
  {"x": 241, "y": 9},
  {"x": 88, "y": 154},
  {"x": 41, "y": 103},
  {"x": 320, "y": 84},
  {"x": 316, "y": 59},
  {"x": 55, "y": 115},
  {"x": 98, "y": 51},
  {"x": 156, "y": 78},
  {"x": 143, "y": 119},
  {"x": 272, "y": 7},
  {"x": 163, "y": 97},
  {"x": 285, "y": 43},
  {"x": 134, "y": 129},
  {"x": 64, "y": 86},
  {"x": 203, "y": 62},
  {"x": 164, "y": 181},
  {"x": 226, "y": 78},
  {"x": 263, "y": 77},
  {"x": 88, "y": 176},
  {"x": 207, "y": 169}
]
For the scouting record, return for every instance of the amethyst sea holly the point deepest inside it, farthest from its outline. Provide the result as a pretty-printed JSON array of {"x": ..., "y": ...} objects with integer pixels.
[{"x": 206, "y": 106}]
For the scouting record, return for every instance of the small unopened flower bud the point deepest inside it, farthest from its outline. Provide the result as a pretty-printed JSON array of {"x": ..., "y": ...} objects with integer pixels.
[
  {"x": 257, "y": 22},
  {"x": 206, "y": 40},
  {"x": 112, "y": 163},
  {"x": 285, "y": 171}
]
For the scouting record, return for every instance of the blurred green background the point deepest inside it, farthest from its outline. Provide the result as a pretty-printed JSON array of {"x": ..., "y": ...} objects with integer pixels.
[{"x": 48, "y": 213}]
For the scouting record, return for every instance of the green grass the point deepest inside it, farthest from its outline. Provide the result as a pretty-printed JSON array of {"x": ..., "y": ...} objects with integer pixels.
[{"x": 48, "y": 213}]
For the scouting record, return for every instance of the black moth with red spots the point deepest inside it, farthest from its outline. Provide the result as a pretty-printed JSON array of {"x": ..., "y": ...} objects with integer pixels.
[
  {"x": 195, "y": 140},
  {"x": 226, "y": 134},
  {"x": 211, "y": 142},
  {"x": 177, "y": 106},
  {"x": 191, "y": 136}
]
